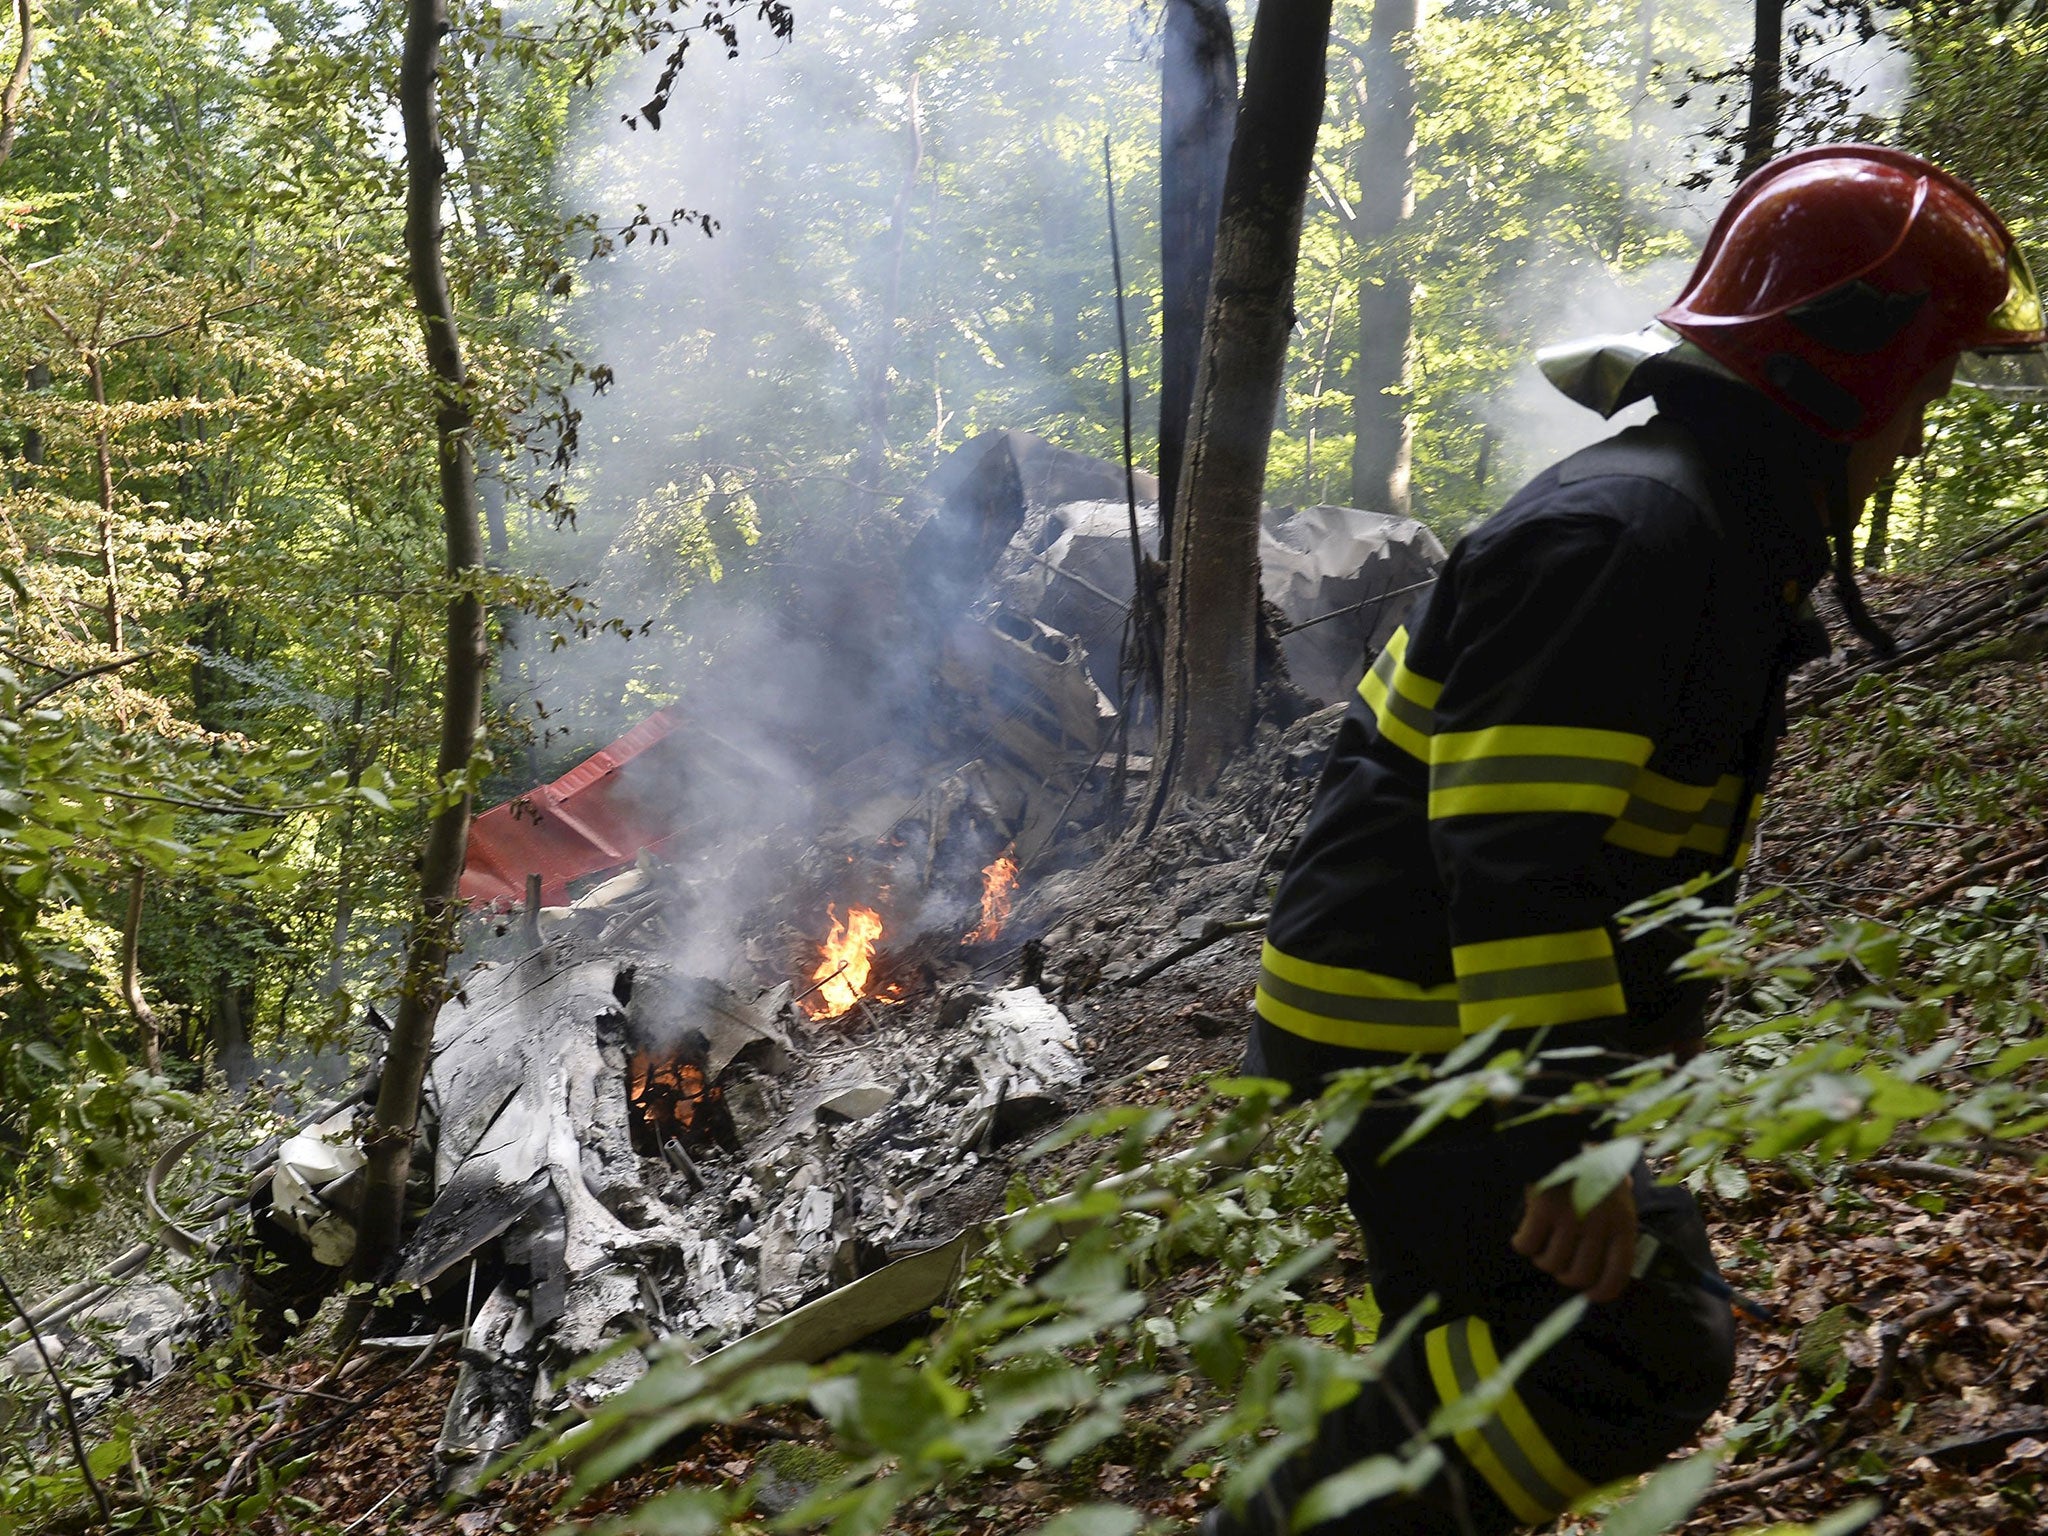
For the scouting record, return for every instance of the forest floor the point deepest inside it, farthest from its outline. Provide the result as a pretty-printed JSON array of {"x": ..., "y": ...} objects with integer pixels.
[{"x": 1909, "y": 1356}]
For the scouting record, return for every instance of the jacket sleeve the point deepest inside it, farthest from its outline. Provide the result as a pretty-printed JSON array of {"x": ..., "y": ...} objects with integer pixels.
[{"x": 1562, "y": 657}]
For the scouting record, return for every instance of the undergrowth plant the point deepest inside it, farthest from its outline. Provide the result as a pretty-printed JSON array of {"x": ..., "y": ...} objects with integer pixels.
[{"x": 1836, "y": 1046}]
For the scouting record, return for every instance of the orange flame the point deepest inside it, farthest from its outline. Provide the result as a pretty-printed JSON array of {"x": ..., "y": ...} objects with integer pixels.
[
  {"x": 666, "y": 1094},
  {"x": 998, "y": 886},
  {"x": 849, "y": 957}
]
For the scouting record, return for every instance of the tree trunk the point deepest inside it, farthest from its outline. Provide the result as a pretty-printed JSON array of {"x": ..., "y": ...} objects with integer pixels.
[
  {"x": 103, "y": 455},
  {"x": 1766, "y": 86},
  {"x": 131, "y": 978},
  {"x": 1646, "y": 63},
  {"x": 1198, "y": 89},
  {"x": 1385, "y": 169},
  {"x": 1876, "y": 543},
  {"x": 1213, "y": 584},
  {"x": 231, "y": 1000},
  {"x": 874, "y": 457},
  {"x": 17, "y": 79},
  {"x": 388, "y": 1143},
  {"x": 34, "y": 446}
]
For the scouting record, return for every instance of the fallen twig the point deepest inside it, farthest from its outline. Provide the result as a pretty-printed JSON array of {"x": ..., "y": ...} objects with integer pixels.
[
  {"x": 1919, "y": 1168},
  {"x": 403, "y": 1483},
  {"x": 1784, "y": 1471},
  {"x": 2004, "y": 863},
  {"x": 1891, "y": 1336},
  {"x": 2028, "y": 592},
  {"x": 1212, "y": 932}
]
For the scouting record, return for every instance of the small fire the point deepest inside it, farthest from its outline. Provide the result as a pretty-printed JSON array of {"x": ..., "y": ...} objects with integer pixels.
[
  {"x": 666, "y": 1094},
  {"x": 998, "y": 885},
  {"x": 849, "y": 957}
]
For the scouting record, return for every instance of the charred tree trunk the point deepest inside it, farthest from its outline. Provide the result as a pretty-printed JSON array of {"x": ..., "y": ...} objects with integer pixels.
[
  {"x": 1385, "y": 168},
  {"x": 1198, "y": 89},
  {"x": 388, "y": 1143},
  {"x": 1212, "y": 597},
  {"x": 1766, "y": 86}
]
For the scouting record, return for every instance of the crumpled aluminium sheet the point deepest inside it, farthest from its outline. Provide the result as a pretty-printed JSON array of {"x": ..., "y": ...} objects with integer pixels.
[{"x": 830, "y": 1140}]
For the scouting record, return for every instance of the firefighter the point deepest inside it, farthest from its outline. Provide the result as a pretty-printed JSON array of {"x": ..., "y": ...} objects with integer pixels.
[{"x": 1579, "y": 715}]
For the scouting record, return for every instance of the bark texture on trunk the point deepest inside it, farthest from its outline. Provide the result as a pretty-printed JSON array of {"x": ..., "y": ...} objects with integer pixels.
[
  {"x": 874, "y": 457},
  {"x": 388, "y": 1144},
  {"x": 1385, "y": 170},
  {"x": 1213, "y": 583},
  {"x": 103, "y": 458},
  {"x": 17, "y": 79},
  {"x": 1198, "y": 89},
  {"x": 1766, "y": 85},
  {"x": 131, "y": 977}
]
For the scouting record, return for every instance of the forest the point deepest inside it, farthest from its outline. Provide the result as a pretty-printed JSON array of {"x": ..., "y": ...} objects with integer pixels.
[{"x": 402, "y": 402}]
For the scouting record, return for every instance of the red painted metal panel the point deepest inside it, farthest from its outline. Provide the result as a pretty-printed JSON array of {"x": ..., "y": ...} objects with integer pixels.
[{"x": 596, "y": 817}]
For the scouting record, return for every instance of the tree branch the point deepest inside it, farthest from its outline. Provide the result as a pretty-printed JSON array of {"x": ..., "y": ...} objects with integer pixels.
[
  {"x": 63, "y": 1392},
  {"x": 78, "y": 677}
]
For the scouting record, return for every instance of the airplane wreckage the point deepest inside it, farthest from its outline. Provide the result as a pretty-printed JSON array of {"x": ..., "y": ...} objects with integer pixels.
[{"x": 629, "y": 1133}]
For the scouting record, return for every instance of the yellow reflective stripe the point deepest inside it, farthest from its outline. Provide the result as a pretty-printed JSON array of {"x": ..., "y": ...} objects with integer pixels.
[
  {"x": 1658, "y": 845},
  {"x": 1344, "y": 979},
  {"x": 1672, "y": 793},
  {"x": 1544, "y": 979},
  {"x": 1521, "y": 1423},
  {"x": 1395, "y": 1039},
  {"x": 1410, "y": 736},
  {"x": 1540, "y": 741},
  {"x": 1665, "y": 815},
  {"x": 1364, "y": 1010},
  {"x": 1748, "y": 834},
  {"x": 1411, "y": 685},
  {"x": 1402, "y": 702},
  {"x": 1540, "y": 1011},
  {"x": 1536, "y": 949},
  {"x": 1508, "y": 1450},
  {"x": 1443, "y": 1375},
  {"x": 1525, "y": 799},
  {"x": 1508, "y": 770}
]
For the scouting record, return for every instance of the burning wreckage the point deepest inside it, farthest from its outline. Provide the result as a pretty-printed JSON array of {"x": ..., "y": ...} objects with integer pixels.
[{"x": 629, "y": 1142}]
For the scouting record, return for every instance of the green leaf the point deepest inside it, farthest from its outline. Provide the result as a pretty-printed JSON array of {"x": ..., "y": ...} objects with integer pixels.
[
  {"x": 1092, "y": 1520},
  {"x": 1667, "y": 1498},
  {"x": 1596, "y": 1172},
  {"x": 1364, "y": 1481},
  {"x": 102, "y": 1057}
]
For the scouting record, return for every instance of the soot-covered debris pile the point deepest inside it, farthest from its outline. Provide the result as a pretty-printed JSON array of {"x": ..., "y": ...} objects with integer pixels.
[
  {"x": 623, "y": 1150},
  {"x": 726, "y": 1071}
]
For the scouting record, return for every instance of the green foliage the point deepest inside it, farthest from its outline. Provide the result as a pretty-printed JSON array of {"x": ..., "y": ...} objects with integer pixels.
[{"x": 1065, "y": 1327}]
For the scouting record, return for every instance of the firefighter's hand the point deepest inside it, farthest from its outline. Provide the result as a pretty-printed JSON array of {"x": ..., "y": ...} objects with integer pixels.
[{"x": 1592, "y": 1253}]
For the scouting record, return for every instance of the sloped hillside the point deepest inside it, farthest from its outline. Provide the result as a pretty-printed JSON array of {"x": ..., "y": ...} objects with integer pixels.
[{"x": 1884, "y": 1223}]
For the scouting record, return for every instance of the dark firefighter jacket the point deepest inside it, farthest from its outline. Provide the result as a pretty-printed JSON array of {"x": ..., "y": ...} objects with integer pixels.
[{"x": 1580, "y": 714}]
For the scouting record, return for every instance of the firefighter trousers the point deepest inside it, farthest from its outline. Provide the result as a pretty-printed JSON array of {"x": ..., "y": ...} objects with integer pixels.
[{"x": 1631, "y": 1383}]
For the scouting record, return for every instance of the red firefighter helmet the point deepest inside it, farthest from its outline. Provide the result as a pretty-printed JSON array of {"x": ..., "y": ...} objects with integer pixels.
[{"x": 1838, "y": 277}]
